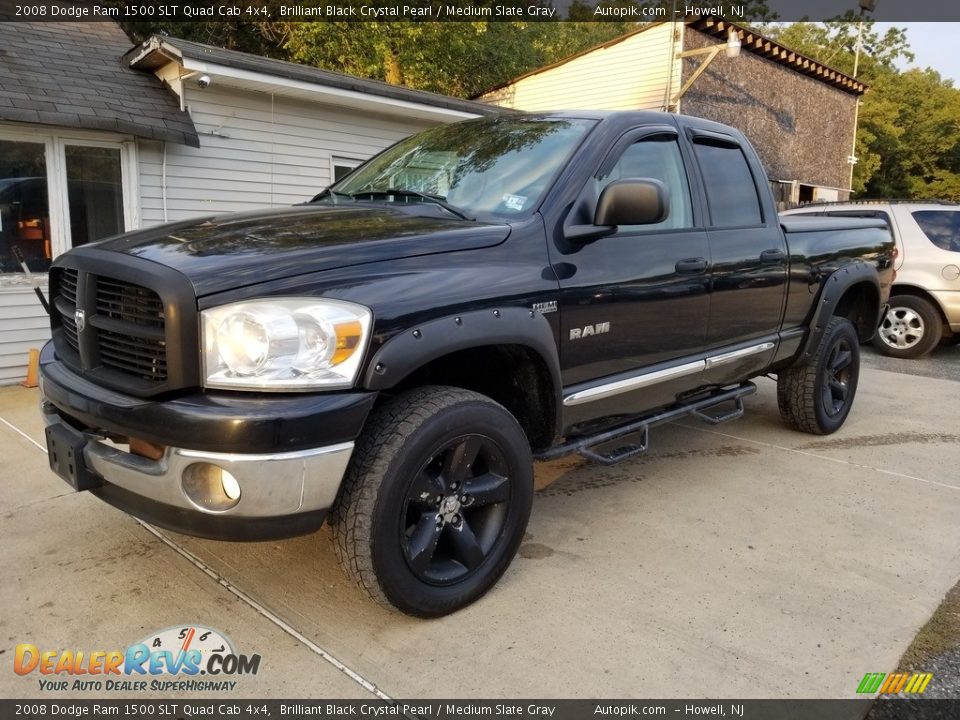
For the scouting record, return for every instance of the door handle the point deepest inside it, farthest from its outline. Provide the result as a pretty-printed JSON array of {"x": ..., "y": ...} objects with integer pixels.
[
  {"x": 769, "y": 257},
  {"x": 691, "y": 266}
]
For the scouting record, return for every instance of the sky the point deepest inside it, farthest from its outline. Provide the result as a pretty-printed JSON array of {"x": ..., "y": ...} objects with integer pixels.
[{"x": 934, "y": 44}]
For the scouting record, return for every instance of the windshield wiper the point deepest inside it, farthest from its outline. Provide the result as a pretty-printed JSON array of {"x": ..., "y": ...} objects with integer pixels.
[
  {"x": 332, "y": 194},
  {"x": 404, "y": 192}
]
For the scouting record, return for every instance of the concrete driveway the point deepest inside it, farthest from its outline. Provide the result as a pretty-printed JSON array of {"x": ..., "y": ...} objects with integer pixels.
[{"x": 744, "y": 560}]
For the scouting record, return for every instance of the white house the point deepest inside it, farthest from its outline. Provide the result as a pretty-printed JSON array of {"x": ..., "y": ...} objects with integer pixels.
[{"x": 98, "y": 138}]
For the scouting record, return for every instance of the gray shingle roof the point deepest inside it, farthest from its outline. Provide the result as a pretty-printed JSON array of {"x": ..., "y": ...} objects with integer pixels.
[
  {"x": 72, "y": 74},
  {"x": 305, "y": 73}
]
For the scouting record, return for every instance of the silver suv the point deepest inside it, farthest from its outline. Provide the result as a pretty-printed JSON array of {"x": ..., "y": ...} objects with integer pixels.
[{"x": 925, "y": 298}]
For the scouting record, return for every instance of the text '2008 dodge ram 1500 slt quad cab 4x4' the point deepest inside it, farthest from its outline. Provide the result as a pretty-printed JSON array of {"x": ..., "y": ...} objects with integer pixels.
[{"x": 392, "y": 355}]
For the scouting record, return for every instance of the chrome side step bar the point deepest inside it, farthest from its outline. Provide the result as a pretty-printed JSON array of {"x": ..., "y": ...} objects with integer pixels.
[{"x": 585, "y": 446}]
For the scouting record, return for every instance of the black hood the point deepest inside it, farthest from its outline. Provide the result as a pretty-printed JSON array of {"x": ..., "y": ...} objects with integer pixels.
[{"x": 225, "y": 252}]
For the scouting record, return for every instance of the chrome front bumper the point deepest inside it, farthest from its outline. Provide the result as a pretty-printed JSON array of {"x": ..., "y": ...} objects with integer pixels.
[{"x": 272, "y": 485}]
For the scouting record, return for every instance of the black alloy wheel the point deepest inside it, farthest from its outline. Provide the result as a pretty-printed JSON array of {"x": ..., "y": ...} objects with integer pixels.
[
  {"x": 837, "y": 374},
  {"x": 455, "y": 510}
]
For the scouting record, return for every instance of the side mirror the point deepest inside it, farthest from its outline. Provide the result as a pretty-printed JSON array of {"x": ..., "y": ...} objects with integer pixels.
[{"x": 632, "y": 201}]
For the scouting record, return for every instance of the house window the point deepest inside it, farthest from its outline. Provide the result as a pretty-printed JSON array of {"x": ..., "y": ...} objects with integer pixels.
[
  {"x": 24, "y": 206},
  {"x": 94, "y": 193},
  {"x": 58, "y": 192},
  {"x": 343, "y": 167}
]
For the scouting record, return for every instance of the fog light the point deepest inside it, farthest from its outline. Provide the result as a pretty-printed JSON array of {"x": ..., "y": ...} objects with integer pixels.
[
  {"x": 230, "y": 485},
  {"x": 210, "y": 488}
]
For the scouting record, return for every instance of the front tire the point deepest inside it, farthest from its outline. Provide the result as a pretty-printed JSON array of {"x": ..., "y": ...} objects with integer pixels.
[
  {"x": 911, "y": 328},
  {"x": 435, "y": 502},
  {"x": 816, "y": 397}
]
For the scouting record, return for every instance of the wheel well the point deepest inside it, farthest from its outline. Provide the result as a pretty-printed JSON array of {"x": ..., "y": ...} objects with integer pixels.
[
  {"x": 513, "y": 375},
  {"x": 860, "y": 304},
  {"x": 917, "y": 292}
]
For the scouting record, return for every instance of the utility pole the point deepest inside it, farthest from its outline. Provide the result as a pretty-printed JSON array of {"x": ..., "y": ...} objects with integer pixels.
[{"x": 865, "y": 5}]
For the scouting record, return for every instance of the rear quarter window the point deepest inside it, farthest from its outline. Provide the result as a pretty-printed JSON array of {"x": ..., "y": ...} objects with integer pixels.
[{"x": 942, "y": 227}]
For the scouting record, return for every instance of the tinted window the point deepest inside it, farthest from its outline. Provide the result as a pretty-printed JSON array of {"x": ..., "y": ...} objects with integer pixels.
[
  {"x": 657, "y": 158},
  {"x": 941, "y": 226},
  {"x": 731, "y": 191}
]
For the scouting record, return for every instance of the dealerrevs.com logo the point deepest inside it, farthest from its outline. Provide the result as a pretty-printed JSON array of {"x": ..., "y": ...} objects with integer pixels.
[{"x": 150, "y": 664}]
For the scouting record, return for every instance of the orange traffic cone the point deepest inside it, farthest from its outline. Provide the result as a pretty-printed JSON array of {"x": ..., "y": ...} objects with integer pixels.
[{"x": 33, "y": 368}]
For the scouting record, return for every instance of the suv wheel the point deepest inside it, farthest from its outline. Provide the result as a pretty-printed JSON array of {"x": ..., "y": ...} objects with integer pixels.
[
  {"x": 911, "y": 328},
  {"x": 435, "y": 502},
  {"x": 817, "y": 397}
]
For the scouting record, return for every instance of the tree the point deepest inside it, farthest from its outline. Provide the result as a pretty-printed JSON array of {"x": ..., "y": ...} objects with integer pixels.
[
  {"x": 834, "y": 43},
  {"x": 920, "y": 158}
]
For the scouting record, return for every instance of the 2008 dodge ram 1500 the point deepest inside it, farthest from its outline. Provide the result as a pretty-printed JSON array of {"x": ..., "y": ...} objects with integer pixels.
[{"x": 393, "y": 354}]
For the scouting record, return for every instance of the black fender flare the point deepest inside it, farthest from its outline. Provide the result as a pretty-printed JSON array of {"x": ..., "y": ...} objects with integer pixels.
[
  {"x": 832, "y": 290},
  {"x": 413, "y": 348}
]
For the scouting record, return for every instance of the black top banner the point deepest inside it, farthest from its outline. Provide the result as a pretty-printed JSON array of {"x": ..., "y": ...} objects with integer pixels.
[{"x": 744, "y": 11}]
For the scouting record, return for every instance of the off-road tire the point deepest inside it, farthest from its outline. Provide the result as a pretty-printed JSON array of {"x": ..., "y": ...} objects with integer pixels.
[
  {"x": 400, "y": 440},
  {"x": 909, "y": 314},
  {"x": 807, "y": 400}
]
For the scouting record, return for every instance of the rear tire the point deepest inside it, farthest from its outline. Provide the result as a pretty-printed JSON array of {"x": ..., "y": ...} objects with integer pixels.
[
  {"x": 816, "y": 397},
  {"x": 911, "y": 328},
  {"x": 435, "y": 502}
]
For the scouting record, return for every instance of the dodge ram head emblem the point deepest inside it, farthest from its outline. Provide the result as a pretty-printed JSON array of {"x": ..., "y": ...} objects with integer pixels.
[{"x": 80, "y": 317}]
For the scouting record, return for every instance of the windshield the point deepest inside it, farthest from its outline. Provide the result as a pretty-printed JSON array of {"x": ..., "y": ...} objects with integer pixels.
[{"x": 491, "y": 166}]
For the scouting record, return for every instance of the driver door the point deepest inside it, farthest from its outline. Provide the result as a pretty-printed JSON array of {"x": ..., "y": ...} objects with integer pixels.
[{"x": 636, "y": 303}]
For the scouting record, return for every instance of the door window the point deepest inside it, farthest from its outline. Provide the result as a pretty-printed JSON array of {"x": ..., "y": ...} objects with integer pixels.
[
  {"x": 94, "y": 193},
  {"x": 731, "y": 191},
  {"x": 24, "y": 206},
  {"x": 658, "y": 158}
]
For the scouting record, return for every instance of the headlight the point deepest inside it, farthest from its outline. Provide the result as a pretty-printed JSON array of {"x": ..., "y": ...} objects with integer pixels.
[{"x": 284, "y": 344}]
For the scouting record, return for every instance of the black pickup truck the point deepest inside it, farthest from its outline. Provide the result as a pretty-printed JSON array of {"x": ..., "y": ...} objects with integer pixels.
[{"x": 393, "y": 355}]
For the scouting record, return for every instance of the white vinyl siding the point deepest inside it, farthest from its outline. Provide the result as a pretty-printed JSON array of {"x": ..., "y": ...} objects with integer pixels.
[
  {"x": 257, "y": 150},
  {"x": 632, "y": 74},
  {"x": 23, "y": 325}
]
